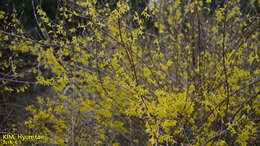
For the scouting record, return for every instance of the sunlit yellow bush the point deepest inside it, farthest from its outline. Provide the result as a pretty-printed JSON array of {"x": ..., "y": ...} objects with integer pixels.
[{"x": 191, "y": 78}]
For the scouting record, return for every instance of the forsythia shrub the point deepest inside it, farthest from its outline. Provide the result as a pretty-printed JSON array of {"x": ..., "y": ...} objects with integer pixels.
[{"x": 192, "y": 78}]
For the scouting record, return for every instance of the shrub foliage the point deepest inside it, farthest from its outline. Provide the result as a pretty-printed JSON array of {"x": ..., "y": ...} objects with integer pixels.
[{"x": 190, "y": 76}]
